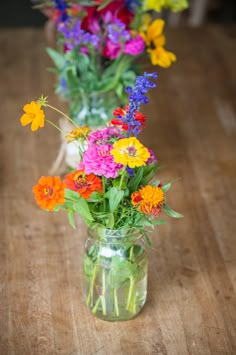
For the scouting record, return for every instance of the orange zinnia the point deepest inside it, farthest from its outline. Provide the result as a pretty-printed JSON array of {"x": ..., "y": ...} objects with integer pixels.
[
  {"x": 49, "y": 192},
  {"x": 83, "y": 184},
  {"x": 149, "y": 199},
  {"x": 34, "y": 115}
]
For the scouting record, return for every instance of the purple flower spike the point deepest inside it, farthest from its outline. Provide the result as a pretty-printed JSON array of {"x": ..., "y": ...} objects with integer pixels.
[{"x": 137, "y": 96}]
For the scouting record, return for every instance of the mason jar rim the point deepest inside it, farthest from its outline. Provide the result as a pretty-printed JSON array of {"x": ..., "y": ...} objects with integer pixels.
[{"x": 121, "y": 235}]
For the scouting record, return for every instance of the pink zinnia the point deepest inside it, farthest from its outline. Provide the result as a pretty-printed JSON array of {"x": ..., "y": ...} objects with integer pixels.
[
  {"x": 134, "y": 46},
  {"x": 98, "y": 160},
  {"x": 102, "y": 136}
]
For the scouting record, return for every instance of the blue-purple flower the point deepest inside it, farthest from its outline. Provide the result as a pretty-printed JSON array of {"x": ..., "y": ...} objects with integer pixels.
[
  {"x": 132, "y": 5},
  {"x": 117, "y": 32},
  {"x": 137, "y": 96},
  {"x": 62, "y": 7},
  {"x": 75, "y": 35}
]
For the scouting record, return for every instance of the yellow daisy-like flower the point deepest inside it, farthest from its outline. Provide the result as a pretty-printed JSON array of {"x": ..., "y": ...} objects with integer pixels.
[
  {"x": 155, "y": 41},
  {"x": 129, "y": 151},
  {"x": 80, "y": 132},
  {"x": 33, "y": 115},
  {"x": 149, "y": 199},
  {"x": 157, "y": 5},
  {"x": 153, "y": 5}
]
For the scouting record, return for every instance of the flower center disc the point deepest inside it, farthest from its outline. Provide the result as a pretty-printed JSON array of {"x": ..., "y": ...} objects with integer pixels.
[{"x": 131, "y": 151}]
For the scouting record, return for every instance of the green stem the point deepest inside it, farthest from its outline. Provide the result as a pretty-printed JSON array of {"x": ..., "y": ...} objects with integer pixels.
[
  {"x": 133, "y": 303},
  {"x": 103, "y": 297},
  {"x": 104, "y": 189},
  {"x": 131, "y": 253},
  {"x": 62, "y": 113},
  {"x": 54, "y": 125},
  {"x": 131, "y": 289},
  {"x": 91, "y": 287},
  {"x": 117, "y": 312},
  {"x": 95, "y": 308},
  {"x": 122, "y": 177}
]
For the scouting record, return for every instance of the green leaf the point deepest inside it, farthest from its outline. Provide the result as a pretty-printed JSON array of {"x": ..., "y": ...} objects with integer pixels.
[
  {"x": 147, "y": 177},
  {"x": 120, "y": 272},
  {"x": 115, "y": 196},
  {"x": 149, "y": 241},
  {"x": 57, "y": 208},
  {"x": 83, "y": 62},
  {"x": 134, "y": 182},
  {"x": 72, "y": 195},
  {"x": 166, "y": 187},
  {"x": 155, "y": 183},
  {"x": 81, "y": 207},
  {"x": 58, "y": 58},
  {"x": 159, "y": 221},
  {"x": 71, "y": 218},
  {"x": 171, "y": 212},
  {"x": 104, "y": 4},
  {"x": 111, "y": 221},
  {"x": 96, "y": 197}
]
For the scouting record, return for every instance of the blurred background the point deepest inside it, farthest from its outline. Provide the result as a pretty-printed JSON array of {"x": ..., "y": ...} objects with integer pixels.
[{"x": 19, "y": 13}]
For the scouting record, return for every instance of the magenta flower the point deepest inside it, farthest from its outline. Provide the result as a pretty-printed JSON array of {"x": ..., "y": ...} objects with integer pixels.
[
  {"x": 105, "y": 135},
  {"x": 111, "y": 50},
  {"x": 98, "y": 160},
  {"x": 152, "y": 158},
  {"x": 134, "y": 46}
]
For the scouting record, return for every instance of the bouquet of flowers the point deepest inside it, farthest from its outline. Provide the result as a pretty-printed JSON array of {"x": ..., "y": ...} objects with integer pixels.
[
  {"x": 98, "y": 42},
  {"x": 116, "y": 192}
]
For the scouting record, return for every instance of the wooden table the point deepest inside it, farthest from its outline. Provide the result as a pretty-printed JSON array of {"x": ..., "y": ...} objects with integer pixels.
[{"x": 191, "y": 305}]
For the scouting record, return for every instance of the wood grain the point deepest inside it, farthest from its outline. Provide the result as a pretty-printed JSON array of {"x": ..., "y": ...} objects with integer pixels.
[{"x": 191, "y": 306}]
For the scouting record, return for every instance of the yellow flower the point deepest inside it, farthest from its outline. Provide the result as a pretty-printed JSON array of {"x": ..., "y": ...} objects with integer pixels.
[
  {"x": 160, "y": 56},
  {"x": 153, "y": 5},
  {"x": 155, "y": 41},
  {"x": 34, "y": 115},
  {"x": 129, "y": 151},
  {"x": 157, "y": 5},
  {"x": 80, "y": 132}
]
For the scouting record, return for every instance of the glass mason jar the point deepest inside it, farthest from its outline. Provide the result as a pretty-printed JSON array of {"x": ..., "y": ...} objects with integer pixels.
[
  {"x": 115, "y": 273},
  {"x": 93, "y": 109}
]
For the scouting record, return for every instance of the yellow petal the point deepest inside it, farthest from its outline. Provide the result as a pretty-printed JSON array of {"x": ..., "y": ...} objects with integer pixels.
[
  {"x": 159, "y": 41},
  {"x": 41, "y": 118},
  {"x": 161, "y": 57},
  {"x": 25, "y": 119},
  {"x": 156, "y": 28},
  {"x": 35, "y": 125}
]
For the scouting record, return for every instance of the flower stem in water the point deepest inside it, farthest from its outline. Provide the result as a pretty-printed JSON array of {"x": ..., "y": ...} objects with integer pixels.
[
  {"x": 91, "y": 287},
  {"x": 117, "y": 312},
  {"x": 103, "y": 297}
]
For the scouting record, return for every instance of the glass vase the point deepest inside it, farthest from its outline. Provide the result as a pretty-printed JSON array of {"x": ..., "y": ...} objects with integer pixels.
[
  {"x": 93, "y": 109},
  {"x": 115, "y": 273}
]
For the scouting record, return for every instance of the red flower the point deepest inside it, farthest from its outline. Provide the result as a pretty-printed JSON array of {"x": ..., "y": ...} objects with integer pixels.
[
  {"x": 122, "y": 112},
  {"x": 82, "y": 183},
  {"x": 119, "y": 10}
]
